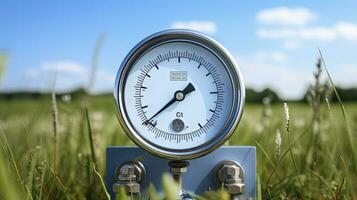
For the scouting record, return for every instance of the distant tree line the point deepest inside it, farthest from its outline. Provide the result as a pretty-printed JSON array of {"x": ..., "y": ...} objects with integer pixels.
[
  {"x": 75, "y": 94},
  {"x": 255, "y": 96},
  {"x": 252, "y": 95},
  {"x": 346, "y": 94}
]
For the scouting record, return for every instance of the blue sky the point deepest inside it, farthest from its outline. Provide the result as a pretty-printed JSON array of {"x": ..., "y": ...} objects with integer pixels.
[{"x": 274, "y": 42}]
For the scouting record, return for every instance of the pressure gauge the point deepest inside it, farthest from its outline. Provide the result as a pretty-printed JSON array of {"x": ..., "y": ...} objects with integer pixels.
[{"x": 179, "y": 94}]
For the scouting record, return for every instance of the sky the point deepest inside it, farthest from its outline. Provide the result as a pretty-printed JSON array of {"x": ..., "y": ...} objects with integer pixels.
[{"x": 275, "y": 43}]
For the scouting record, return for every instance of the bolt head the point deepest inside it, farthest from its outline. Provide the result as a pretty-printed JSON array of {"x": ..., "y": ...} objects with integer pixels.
[
  {"x": 127, "y": 169},
  {"x": 229, "y": 174},
  {"x": 129, "y": 172}
]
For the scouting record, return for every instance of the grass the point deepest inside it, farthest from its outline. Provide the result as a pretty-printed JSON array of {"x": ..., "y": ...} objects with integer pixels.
[
  {"x": 52, "y": 148},
  {"x": 27, "y": 172}
]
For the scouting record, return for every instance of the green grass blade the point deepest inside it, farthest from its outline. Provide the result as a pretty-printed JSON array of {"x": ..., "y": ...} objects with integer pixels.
[
  {"x": 12, "y": 159},
  {"x": 101, "y": 182},
  {"x": 171, "y": 189},
  {"x": 259, "y": 188},
  {"x": 3, "y": 62},
  {"x": 58, "y": 180},
  {"x": 91, "y": 143},
  {"x": 152, "y": 193},
  {"x": 343, "y": 110}
]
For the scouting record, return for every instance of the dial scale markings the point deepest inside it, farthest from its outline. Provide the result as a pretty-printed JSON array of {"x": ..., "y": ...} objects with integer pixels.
[
  {"x": 179, "y": 94},
  {"x": 166, "y": 57}
]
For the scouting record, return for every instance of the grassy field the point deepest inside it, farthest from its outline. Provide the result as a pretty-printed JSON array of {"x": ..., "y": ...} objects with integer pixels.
[{"x": 303, "y": 154}]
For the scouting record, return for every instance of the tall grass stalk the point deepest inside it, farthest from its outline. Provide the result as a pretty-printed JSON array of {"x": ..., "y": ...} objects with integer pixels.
[
  {"x": 350, "y": 136},
  {"x": 8, "y": 190},
  {"x": 39, "y": 179},
  {"x": 278, "y": 162},
  {"x": 91, "y": 143},
  {"x": 58, "y": 180},
  {"x": 278, "y": 141},
  {"x": 259, "y": 188},
  {"x": 101, "y": 182},
  {"x": 152, "y": 193},
  {"x": 3, "y": 63},
  {"x": 171, "y": 189},
  {"x": 94, "y": 63},
  {"x": 287, "y": 129},
  {"x": 30, "y": 168},
  {"x": 343, "y": 110},
  {"x": 55, "y": 123},
  {"x": 8, "y": 149}
]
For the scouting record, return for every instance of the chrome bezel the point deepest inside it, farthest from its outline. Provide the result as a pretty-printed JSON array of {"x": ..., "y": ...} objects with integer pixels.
[{"x": 211, "y": 45}]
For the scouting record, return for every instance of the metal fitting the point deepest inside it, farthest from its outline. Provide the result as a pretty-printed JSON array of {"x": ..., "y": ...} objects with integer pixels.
[
  {"x": 235, "y": 188},
  {"x": 231, "y": 175},
  {"x": 178, "y": 170},
  {"x": 128, "y": 172},
  {"x": 131, "y": 188},
  {"x": 131, "y": 175}
]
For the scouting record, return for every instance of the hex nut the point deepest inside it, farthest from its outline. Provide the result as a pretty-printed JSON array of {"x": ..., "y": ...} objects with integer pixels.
[
  {"x": 128, "y": 187},
  {"x": 127, "y": 169},
  {"x": 235, "y": 188},
  {"x": 130, "y": 175},
  {"x": 130, "y": 172},
  {"x": 127, "y": 177},
  {"x": 229, "y": 174}
]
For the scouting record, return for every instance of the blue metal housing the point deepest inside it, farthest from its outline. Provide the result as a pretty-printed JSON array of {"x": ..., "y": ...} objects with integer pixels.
[{"x": 199, "y": 177}]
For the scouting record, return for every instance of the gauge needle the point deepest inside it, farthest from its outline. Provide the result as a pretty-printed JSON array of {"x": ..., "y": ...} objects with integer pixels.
[{"x": 178, "y": 96}]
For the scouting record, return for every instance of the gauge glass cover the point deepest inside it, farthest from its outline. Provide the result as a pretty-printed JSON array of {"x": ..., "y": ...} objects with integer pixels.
[{"x": 180, "y": 94}]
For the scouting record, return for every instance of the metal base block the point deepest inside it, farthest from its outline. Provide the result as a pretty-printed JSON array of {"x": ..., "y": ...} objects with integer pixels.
[{"x": 200, "y": 173}]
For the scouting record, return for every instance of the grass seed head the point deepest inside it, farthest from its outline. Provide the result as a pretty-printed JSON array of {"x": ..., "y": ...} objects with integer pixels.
[
  {"x": 278, "y": 143},
  {"x": 287, "y": 116}
]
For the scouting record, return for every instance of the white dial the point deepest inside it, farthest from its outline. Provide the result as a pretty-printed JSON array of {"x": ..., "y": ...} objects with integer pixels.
[{"x": 178, "y": 98}]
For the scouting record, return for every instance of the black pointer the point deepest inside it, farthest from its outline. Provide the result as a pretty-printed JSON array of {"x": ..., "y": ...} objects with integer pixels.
[
  {"x": 177, "y": 97},
  {"x": 188, "y": 89}
]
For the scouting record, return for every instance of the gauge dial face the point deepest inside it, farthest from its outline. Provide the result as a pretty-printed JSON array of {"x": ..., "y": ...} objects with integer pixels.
[{"x": 177, "y": 96}]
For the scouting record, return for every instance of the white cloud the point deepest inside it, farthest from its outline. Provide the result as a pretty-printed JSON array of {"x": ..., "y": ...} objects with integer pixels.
[
  {"x": 291, "y": 44},
  {"x": 347, "y": 30},
  {"x": 286, "y": 16},
  {"x": 260, "y": 74},
  {"x": 70, "y": 74},
  {"x": 291, "y": 77},
  {"x": 65, "y": 66},
  {"x": 32, "y": 72},
  {"x": 342, "y": 30},
  {"x": 202, "y": 26},
  {"x": 287, "y": 81},
  {"x": 276, "y": 33},
  {"x": 106, "y": 76},
  {"x": 345, "y": 75},
  {"x": 318, "y": 33},
  {"x": 268, "y": 56}
]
